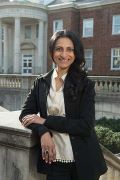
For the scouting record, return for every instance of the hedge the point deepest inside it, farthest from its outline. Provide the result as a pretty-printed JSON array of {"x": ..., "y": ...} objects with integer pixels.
[
  {"x": 113, "y": 124},
  {"x": 108, "y": 132}
]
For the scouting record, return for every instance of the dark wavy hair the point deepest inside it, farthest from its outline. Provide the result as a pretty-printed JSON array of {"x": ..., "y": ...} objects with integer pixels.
[{"x": 76, "y": 71}]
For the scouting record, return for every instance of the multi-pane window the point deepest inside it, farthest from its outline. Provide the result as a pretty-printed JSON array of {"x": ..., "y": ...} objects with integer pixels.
[
  {"x": 88, "y": 58},
  {"x": 88, "y": 27},
  {"x": 115, "y": 59},
  {"x": 57, "y": 25},
  {"x": 27, "y": 64},
  {"x": 116, "y": 24},
  {"x": 28, "y": 31}
]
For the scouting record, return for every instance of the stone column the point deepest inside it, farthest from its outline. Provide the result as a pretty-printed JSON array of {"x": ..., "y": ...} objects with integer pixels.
[
  {"x": 5, "y": 49},
  {"x": 17, "y": 58},
  {"x": 0, "y": 45},
  {"x": 45, "y": 47},
  {"x": 40, "y": 57}
]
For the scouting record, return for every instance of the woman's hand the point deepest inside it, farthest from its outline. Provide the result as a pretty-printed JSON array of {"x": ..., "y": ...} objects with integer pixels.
[
  {"x": 48, "y": 148},
  {"x": 32, "y": 118}
]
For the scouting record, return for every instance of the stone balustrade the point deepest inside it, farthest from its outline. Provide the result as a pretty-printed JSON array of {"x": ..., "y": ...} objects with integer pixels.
[
  {"x": 18, "y": 152},
  {"x": 103, "y": 84},
  {"x": 106, "y": 84},
  {"x": 14, "y": 89},
  {"x": 12, "y": 81}
]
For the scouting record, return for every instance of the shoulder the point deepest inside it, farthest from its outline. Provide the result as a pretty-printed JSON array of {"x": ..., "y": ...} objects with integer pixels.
[
  {"x": 45, "y": 76},
  {"x": 88, "y": 82},
  {"x": 41, "y": 76},
  {"x": 88, "y": 85}
]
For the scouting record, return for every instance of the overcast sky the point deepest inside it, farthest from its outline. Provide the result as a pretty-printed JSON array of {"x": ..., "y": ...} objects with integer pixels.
[{"x": 47, "y": 1}]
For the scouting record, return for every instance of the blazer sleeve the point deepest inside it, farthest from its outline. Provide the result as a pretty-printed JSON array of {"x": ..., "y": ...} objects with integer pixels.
[
  {"x": 81, "y": 126},
  {"x": 31, "y": 107}
]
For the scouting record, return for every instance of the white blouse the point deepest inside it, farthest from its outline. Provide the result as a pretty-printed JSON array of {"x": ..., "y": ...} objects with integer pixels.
[{"x": 56, "y": 107}]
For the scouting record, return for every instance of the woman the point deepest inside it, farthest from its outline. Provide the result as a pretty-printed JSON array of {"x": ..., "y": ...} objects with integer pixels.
[{"x": 64, "y": 98}]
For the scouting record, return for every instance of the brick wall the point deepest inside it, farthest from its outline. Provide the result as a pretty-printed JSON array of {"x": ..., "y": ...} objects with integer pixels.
[{"x": 101, "y": 42}]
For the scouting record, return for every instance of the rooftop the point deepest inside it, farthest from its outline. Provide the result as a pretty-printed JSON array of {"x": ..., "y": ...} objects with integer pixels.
[{"x": 54, "y": 2}]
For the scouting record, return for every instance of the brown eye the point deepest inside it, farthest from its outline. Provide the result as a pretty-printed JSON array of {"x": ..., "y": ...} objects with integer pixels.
[
  {"x": 67, "y": 50},
  {"x": 70, "y": 50},
  {"x": 58, "y": 49}
]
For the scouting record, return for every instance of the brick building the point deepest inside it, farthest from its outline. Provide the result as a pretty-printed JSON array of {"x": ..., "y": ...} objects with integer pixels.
[
  {"x": 97, "y": 23},
  {"x": 25, "y": 26}
]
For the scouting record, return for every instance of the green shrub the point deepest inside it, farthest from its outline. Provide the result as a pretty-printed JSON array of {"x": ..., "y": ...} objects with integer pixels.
[
  {"x": 108, "y": 132},
  {"x": 113, "y": 124}
]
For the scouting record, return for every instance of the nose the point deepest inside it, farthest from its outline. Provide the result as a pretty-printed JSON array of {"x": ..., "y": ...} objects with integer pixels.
[{"x": 64, "y": 53}]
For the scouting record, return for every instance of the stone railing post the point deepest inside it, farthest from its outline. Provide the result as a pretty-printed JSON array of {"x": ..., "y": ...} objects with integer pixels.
[
  {"x": 27, "y": 82},
  {"x": 113, "y": 164},
  {"x": 17, "y": 150}
]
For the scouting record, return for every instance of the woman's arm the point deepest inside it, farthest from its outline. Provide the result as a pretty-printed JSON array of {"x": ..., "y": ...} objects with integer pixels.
[
  {"x": 84, "y": 124},
  {"x": 31, "y": 120},
  {"x": 30, "y": 107}
]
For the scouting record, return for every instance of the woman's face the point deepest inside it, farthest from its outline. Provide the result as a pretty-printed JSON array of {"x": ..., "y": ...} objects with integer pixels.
[{"x": 63, "y": 54}]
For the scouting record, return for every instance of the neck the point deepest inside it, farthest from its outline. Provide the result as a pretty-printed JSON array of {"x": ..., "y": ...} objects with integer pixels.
[{"x": 61, "y": 72}]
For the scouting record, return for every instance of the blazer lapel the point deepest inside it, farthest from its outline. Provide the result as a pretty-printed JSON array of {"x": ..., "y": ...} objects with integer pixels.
[{"x": 43, "y": 92}]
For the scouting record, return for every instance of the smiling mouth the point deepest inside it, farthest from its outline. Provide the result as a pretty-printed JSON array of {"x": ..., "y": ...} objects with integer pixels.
[{"x": 64, "y": 60}]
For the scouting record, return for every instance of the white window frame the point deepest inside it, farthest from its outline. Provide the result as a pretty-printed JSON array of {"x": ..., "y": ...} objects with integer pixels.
[
  {"x": 88, "y": 59},
  {"x": 60, "y": 22},
  {"x": 117, "y": 56},
  {"x": 86, "y": 27},
  {"x": 29, "y": 59},
  {"x": 115, "y": 25}
]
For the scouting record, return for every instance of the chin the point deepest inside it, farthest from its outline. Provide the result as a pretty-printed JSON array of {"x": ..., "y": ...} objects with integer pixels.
[{"x": 64, "y": 67}]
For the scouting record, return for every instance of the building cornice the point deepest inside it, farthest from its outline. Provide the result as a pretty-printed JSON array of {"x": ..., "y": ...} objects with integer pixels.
[
  {"x": 28, "y": 10},
  {"x": 82, "y": 5},
  {"x": 59, "y": 6},
  {"x": 96, "y": 4},
  {"x": 23, "y": 4},
  {"x": 62, "y": 6}
]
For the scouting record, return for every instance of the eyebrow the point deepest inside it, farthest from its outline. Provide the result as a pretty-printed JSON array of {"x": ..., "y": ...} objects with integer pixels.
[{"x": 63, "y": 47}]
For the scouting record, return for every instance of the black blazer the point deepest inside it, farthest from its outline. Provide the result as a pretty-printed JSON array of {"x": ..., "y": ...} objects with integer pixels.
[{"x": 78, "y": 123}]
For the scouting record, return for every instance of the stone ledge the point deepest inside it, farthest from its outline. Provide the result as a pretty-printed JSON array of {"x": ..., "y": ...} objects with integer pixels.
[
  {"x": 18, "y": 152},
  {"x": 12, "y": 133},
  {"x": 110, "y": 158},
  {"x": 10, "y": 121}
]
